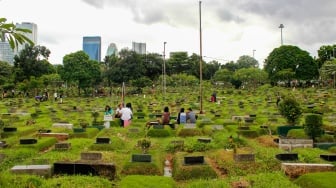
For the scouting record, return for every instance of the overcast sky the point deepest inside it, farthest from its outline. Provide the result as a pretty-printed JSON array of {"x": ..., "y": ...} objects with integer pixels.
[{"x": 230, "y": 28}]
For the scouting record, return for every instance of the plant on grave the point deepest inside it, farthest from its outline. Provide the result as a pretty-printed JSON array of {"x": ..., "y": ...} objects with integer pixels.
[
  {"x": 144, "y": 144},
  {"x": 290, "y": 108},
  {"x": 313, "y": 125},
  {"x": 95, "y": 115}
]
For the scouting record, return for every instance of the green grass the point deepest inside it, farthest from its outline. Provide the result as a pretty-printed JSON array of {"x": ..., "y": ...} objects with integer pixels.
[{"x": 320, "y": 179}]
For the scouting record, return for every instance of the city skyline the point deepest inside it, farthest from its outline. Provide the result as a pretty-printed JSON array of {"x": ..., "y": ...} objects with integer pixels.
[{"x": 230, "y": 28}]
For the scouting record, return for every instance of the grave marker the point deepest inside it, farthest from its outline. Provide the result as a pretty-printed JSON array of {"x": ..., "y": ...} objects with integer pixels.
[{"x": 193, "y": 160}]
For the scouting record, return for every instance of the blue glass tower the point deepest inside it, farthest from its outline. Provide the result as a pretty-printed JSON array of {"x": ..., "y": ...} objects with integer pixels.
[{"x": 92, "y": 46}]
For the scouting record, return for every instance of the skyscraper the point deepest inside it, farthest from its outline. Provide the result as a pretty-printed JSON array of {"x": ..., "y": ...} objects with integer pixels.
[
  {"x": 112, "y": 49},
  {"x": 32, "y": 36},
  {"x": 92, "y": 46},
  {"x": 6, "y": 52},
  {"x": 139, "y": 48}
]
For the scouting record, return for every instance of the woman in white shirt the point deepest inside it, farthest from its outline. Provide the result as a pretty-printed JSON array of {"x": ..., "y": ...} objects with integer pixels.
[{"x": 126, "y": 115}]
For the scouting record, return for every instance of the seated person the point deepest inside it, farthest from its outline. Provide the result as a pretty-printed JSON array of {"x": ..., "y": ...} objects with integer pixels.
[
  {"x": 181, "y": 117},
  {"x": 165, "y": 116},
  {"x": 191, "y": 116}
]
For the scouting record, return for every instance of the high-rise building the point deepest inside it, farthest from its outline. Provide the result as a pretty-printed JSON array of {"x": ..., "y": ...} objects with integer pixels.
[
  {"x": 6, "y": 52},
  {"x": 32, "y": 36},
  {"x": 112, "y": 50},
  {"x": 92, "y": 46},
  {"x": 139, "y": 48}
]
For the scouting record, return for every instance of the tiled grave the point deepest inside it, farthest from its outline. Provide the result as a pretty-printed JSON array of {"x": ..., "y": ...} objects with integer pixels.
[{"x": 41, "y": 170}]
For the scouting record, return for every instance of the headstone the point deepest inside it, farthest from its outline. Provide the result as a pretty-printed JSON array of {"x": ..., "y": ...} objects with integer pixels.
[
  {"x": 328, "y": 157},
  {"x": 244, "y": 157},
  {"x": 91, "y": 156},
  {"x": 25, "y": 141},
  {"x": 62, "y": 146},
  {"x": 190, "y": 126},
  {"x": 40, "y": 170},
  {"x": 204, "y": 140},
  {"x": 141, "y": 158},
  {"x": 63, "y": 125},
  {"x": 193, "y": 160},
  {"x": 217, "y": 127},
  {"x": 287, "y": 156},
  {"x": 103, "y": 140},
  {"x": 78, "y": 130},
  {"x": 9, "y": 129}
]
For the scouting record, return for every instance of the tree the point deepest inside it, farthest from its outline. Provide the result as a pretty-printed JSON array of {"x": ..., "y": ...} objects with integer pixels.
[
  {"x": 223, "y": 75},
  {"x": 290, "y": 108},
  {"x": 15, "y": 36},
  {"x": 5, "y": 72},
  {"x": 246, "y": 61},
  {"x": 328, "y": 70},
  {"x": 291, "y": 58},
  {"x": 178, "y": 62},
  {"x": 251, "y": 76},
  {"x": 32, "y": 61},
  {"x": 325, "y": 53},
  {"x": 313, "y": 125},
  {"x": 78, "y": 68}
]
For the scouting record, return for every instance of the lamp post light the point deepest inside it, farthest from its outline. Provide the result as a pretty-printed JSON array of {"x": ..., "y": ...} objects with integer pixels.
[
  {"x": 253, "y": 52},
  {"x": 200, "y": 40},
  {"x": 281, "y": 27},
  {"x": 164, "y": 70}
]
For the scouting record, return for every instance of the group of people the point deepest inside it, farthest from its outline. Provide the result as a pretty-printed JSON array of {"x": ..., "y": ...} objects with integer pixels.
[
  {"x": 125, "y": 113},
  {"x": 182, "y": 117}
]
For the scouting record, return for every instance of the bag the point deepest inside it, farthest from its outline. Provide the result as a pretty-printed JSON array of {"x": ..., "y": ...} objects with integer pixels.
[
  {"x": 108, "y": 118},
  {"x": 127, "y": 123}
]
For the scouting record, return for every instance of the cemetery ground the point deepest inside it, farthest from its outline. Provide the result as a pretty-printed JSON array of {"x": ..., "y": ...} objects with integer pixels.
[{"x": 239, "y": 141}]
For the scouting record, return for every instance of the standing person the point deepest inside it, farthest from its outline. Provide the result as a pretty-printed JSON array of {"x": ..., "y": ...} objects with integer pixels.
[
  {"x": 117, "y": 113},
  {"x": 126, "y": 115},
  {"x": 191, "y": 116},
  {"x": 165, "y": 116},
  {"x": 55, "y": 96},
  {"x": 61, "y": 98},
  {"x": 181, "y": 117}
]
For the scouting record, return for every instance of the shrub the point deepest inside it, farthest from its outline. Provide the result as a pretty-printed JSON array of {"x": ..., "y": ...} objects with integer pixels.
[
  {"x": 189, "y": 132},
  {"x": 332, "y": 149},
  {"x": 141, "y": 168},
  {"x": 297, "y": 133},
  {"x": 158, "y": 133},
  {"x": 140, "y": 181},
  {"x": 313, "y": 125},
  {"x": 319, "y": 179},
  {"x": 290, "y": 109}
]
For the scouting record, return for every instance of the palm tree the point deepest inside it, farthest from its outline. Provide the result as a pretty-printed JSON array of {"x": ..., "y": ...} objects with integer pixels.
[{"x": 15, "y": 36}]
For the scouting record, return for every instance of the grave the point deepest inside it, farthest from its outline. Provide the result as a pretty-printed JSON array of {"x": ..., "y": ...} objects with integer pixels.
[
  {"x": 193, "y": 160},
  {"x": 103, "y": 140},
  {"x": 58, "y": 136},
  {"x": 40, "y": 170},
  {"x": 294, "y": 170},
  {"x": 91, "y": 156},
  {"x": 189, "y": 126},
  {"x": 62, "y": 146},
  {"x": 63, "y": 125},
  {"x": 26, "y": 141},
  {"x": 217, "y": 127},
  {"x": 328, "y": 157},
  {"x": 289, "y": 144},
  {"x": 287, "y": 156},
  {"x": 107, "y": 170},
  {"x": 3, "y": 144},
  {"x": 141, "y": 158},
  {"x": 9, "y": 129},
  {"x": 178, "y": 144},
  {"x": 133, "y": 130},
  {"x": 204, "y": 140},
  {"x": 244, "y": 157}
]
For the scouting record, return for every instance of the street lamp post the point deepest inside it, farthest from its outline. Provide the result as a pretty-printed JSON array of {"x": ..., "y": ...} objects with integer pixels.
[
  {"x": 253, "y": 52},
  {"x": 200, "y": 32},
  {"x": 164, "y": 70},
  {"x": 281, "y": 27}
]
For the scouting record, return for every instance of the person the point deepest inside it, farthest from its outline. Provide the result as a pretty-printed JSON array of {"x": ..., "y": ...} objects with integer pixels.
[
  {"x": 181, "y": 117},
  {"x": 61, "y": 98},
  {"x": 107, "y": 116},
  {"x": 117, "y": 114},
  {"x": 126, "y": 115},
  {"x": 108, "y": 110},
  {"x": 191, "y": 116},
  {"x": 278, "y": 100},
  {"x": 55, "y": 96},
  {"x": 165, "y": 116}
]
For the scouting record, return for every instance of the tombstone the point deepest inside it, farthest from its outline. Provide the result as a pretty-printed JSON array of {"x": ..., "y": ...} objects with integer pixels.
[
  {"x": 217, "y": 127},
  {"x": 107, "y": 170},
  {"x": 62, "y": 146},
  {"x": 3, "y": 144},
  {"x": 244, "y": 157},
  {"x": 204, "y": 140},
  {"x": 27, "y": 141},
  {"x": 40, "y": 170},
  {"x": 9, "y": 129},
  {"x": 78, "y": 130},
  {"x": 287, "y": 156},
  {"x": 190, "y": 126},
  {"x": 141, "y": 158},
  {"x": 193, "y": 160},
  {"x": 158, "y": 126},
  {"x": 44, "y": 131},
  {"x": 328, "y": 157},
  {"x": 133, "y": 130},
  {"x": 141, "y": 117},
  {"x": 103, "y": 140},
  {"x": 63, "y": 125},
  {"x": 91, "y": 156}
]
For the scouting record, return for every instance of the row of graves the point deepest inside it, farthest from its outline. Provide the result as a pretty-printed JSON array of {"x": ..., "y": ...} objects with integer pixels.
[{"x": 220, "y": 115}]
